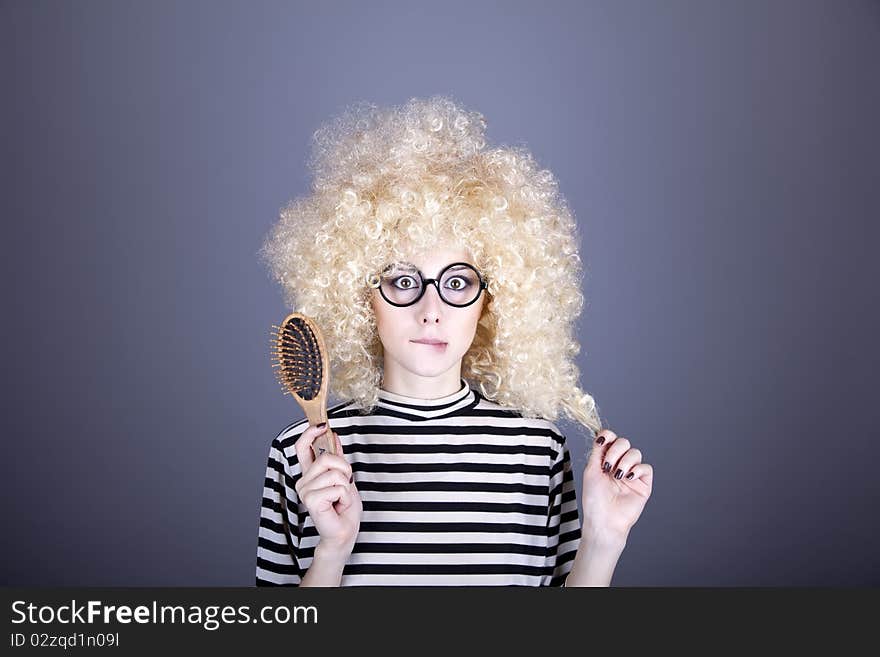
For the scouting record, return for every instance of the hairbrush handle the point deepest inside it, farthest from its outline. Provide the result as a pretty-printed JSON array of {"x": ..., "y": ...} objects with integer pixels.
[
  {"x": 326, "y": 442},
  {"x": 316, "y": 412}
]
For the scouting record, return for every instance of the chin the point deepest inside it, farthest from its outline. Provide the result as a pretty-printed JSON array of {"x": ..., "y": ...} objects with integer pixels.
[
  {"x": 427, "y": 366},
  {"x": 422, "y": 369}
]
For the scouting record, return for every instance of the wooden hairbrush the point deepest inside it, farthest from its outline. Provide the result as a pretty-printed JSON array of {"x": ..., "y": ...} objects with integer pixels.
[{"x": 303, "y": 371}]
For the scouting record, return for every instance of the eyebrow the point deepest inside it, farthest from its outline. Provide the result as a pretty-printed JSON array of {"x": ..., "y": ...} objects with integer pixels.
[{"x": 409, "y": 265}]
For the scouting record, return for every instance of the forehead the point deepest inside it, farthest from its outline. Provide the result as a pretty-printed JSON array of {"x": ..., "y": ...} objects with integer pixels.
[{"x": 430, "y": 262}]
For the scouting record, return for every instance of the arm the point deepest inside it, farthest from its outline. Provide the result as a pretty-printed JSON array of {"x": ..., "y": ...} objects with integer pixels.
[
  {"x": 616, "y": 487},
  {"x": 327, "y": 490},
  {"x": 595, "y": 562},
  {"x": 326, "y": 568},
  {"x": 563, "y": 526},
  {"x": 278, "y": 534},
  {"x": 278, "y": 563}
]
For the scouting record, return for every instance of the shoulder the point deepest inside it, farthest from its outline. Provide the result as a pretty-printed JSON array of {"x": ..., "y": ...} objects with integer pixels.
[
  {"x": 488, "y": 407},
  {"x": 514, "y": 417}
]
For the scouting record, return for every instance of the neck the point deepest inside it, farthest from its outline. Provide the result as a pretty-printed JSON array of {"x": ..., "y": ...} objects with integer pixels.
[{"x": 422, "y": 387}]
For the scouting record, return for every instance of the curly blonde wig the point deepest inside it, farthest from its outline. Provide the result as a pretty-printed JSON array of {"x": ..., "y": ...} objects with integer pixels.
[{"x": 389, "y": 180}]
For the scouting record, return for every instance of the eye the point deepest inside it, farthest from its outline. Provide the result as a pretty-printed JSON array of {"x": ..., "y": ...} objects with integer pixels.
[
  {"x": 458, "y": 282},
  {"x": 405, "y": 282}
]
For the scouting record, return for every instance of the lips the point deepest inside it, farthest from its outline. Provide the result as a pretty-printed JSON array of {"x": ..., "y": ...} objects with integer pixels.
[{"x": 429, "y": 341}]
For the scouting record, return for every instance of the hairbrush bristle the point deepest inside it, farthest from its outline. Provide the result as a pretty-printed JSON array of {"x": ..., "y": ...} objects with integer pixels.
[
  {"x": 297, "y": 357},
  {"x": 302, "y": 368}
]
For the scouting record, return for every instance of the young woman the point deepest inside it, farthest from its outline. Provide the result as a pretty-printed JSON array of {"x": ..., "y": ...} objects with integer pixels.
[{"x": 446, "y": 280}]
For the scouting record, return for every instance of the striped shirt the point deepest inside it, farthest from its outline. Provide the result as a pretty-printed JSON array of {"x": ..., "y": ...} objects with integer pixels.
[{"x": 456, "y": 491}]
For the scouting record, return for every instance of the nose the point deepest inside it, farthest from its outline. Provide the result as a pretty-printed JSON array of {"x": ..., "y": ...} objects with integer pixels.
[{"x": 430, "y": 305}]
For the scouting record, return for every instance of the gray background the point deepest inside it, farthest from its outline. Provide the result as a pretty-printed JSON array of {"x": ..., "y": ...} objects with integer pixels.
[{"x": 722, "y": 159}]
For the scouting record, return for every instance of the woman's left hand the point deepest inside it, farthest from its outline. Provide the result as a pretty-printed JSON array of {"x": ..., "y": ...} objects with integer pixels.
[{"x": 616, "y": 487}]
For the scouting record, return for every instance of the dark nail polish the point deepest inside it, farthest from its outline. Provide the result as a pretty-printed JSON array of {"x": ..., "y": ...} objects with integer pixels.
[
  {"x": 606, "y": 467},
  {"x": 618, "y": 474},
  {"x": 600, "y": 440},
  {"x": 630, "y": 475},
  {"x": 321, "y": 425}
]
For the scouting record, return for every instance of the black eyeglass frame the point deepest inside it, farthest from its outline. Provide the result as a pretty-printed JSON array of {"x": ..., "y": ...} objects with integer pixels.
[{"x": 376, "y": 282}]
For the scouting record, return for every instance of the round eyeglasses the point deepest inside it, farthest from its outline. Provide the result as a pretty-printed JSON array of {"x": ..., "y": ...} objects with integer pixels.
[{"x": 458, "y": 284}]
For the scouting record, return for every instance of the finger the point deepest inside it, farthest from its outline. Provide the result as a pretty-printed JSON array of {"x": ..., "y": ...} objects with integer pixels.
[
  {"x": 330, "y": 477},
  {"x": 328, "y": 460},
  {"x": 642, "y": 475},
  {"x": 325, "y": 442},
  {"x": 323, "y": 499},
  {"x": 600, "y": 445},
  {"x": 303, "y": 445},
  {"x": 346, "y": 498},
  {"x": 615, "y": 450},
  {"x": 626, "y": 462},
  {"x": 641, "y": 483},
  {"x": 323, "y": 463}
]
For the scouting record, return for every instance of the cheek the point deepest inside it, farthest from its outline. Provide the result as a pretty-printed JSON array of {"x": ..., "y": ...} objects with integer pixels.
[
  {"x": 377, "y": 307},
  {"x": 469, "y": 323},
  {"x": 378, "y": 315},
  {"x": 479, "y": 310},
  {"x": 387, "y": 326}
]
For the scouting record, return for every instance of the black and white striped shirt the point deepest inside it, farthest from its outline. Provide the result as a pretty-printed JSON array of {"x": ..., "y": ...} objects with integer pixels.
[{"x": 456, "y": 491}]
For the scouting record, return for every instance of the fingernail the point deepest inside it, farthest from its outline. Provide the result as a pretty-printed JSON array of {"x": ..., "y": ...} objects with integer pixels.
[
  {"x": 618, "y": 474},
  {"x": 606, "y": 467},
  {"x": 600, "y": 440},
  {"x": 630, "y": 475},
  {"x": 351, "y": 478},
  {"x": 321, "y": 425}
]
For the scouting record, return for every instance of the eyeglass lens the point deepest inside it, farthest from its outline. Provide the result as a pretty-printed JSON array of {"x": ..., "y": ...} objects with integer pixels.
[{"x": 402, "y": 284}]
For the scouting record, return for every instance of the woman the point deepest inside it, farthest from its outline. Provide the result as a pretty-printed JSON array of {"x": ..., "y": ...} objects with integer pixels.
[{"x": 450, "y": 469}]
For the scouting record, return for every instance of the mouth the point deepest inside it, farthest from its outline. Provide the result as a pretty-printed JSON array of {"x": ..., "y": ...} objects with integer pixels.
[{"x": 432, "y": 343}]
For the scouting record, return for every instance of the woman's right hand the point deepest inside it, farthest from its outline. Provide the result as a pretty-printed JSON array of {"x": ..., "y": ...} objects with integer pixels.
[{"x": 327, "y": 490}]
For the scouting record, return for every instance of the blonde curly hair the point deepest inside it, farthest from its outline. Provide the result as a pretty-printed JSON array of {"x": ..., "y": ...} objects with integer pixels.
[{"x": 387, "y": 180}]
